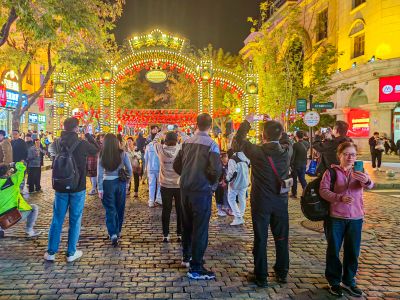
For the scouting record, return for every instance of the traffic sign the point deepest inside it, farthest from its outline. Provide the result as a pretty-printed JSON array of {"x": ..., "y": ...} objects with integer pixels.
[
  {"x": 311, "y": 118},
  {"x": 327, "y": 105},
  {"x": 301, "y": 105}
]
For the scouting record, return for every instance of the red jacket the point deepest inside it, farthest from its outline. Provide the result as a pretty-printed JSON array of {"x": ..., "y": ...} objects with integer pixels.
[{"x": 345, "y": 185}]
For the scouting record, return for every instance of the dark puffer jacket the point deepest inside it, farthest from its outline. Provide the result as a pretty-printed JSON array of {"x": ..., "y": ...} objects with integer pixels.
[{"x": 265, "y": 197}]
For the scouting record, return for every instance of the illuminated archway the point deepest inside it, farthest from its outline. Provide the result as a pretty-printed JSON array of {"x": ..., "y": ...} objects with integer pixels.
[{"x": 159, "y": 52}]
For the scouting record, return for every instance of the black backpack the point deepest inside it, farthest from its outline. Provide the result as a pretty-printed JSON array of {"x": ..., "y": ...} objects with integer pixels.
[
  {"x": 65, "y": 170},
  {"x": 314, "y": 207}
]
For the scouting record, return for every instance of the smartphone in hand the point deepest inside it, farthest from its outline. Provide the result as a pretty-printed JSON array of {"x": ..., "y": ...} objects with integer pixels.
[{"x": 358, "y": 166}]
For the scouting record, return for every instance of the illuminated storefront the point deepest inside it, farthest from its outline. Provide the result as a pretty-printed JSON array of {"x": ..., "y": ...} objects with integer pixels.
[
  {"x": 358, "y": 120},
  {"x": 9, "y": 93}
]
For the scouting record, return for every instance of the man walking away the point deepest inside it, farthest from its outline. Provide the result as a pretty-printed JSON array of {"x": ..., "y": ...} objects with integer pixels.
[
  {"x": 199, "y": 165},
  {"x": 269, "y": 207},
  {"x": 72, "y": 200},
  {"x": 299, "y": 162}
]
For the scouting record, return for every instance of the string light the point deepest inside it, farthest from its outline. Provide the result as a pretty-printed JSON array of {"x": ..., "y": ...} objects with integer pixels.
[{"x": 151, "y": 51}]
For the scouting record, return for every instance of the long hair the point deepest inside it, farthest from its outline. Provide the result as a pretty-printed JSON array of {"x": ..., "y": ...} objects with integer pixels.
[{"x": 110, "y": 156}]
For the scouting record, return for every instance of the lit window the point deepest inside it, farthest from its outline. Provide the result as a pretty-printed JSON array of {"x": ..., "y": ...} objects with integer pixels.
[
  {"x": 322, "y": 25},
  {"x": 359, "y": 45},
  {"x": 358, "y": 2}
]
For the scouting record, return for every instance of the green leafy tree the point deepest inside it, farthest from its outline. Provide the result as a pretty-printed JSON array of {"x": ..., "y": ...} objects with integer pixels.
[
  {"x": 70, "y": 34},
  {"x": 289, "y": 67}
]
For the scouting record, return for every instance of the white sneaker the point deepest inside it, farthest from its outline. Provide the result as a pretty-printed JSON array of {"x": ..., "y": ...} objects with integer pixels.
[
  {"x": 49, "y": 257},
  {"x": 78, "y": 254},
  {"x": 165, "y": 239},
  {"x": 33, "y": 233},
  {"x": 221, "y": 213},
  {"x": 159, "y": 202},
  {"x": 378, "y": 169},
  {"x": 237, "y": 221},
  {"x": 151, "y": 204}
]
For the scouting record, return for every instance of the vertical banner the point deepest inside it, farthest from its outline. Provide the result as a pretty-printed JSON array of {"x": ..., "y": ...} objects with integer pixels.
[{"x": 3, "y": 96}]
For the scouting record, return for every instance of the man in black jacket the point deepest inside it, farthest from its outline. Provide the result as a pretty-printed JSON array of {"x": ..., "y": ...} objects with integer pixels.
[
  {"x": 328, "y": 147},
  {"x": 75, "y": 199},
  {"x": 268, "y": 206},
  {"x": 199, "y": 165},
  {"x": 299, "y": 162}
]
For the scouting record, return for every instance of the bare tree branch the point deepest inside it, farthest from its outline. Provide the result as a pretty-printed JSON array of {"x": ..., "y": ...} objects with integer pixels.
[{"x": 5, "y": 29}]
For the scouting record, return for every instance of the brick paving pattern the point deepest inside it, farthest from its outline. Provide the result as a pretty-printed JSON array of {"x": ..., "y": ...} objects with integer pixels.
[{"x": 143, "y": 267}]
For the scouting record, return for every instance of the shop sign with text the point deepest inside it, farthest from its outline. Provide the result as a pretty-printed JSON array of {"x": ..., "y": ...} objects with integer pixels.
[{"x": 389, "y": 89}]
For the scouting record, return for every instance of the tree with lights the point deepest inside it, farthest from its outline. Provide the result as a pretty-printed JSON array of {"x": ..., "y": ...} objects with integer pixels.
[
  {"x": 70, "y": 34},
  {"x": 288, "y": 66}
]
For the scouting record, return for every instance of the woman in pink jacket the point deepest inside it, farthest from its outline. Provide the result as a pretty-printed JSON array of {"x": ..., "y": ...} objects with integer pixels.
[{"x": 344, "y": 225}]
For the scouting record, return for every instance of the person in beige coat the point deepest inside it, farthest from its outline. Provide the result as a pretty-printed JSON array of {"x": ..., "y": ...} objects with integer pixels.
[{"x": 6, "y": 154}]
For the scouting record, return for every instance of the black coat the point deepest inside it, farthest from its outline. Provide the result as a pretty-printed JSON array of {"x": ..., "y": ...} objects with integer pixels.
[
  {"x": 265, "y": 197},
  {"x": 82, "y": 151},
  {"x": 328, "y": 151},
  {"x": 20, "y": 150}
]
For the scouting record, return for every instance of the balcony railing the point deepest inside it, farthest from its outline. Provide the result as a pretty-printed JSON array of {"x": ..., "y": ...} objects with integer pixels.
[{"x": 277, "y": 4}]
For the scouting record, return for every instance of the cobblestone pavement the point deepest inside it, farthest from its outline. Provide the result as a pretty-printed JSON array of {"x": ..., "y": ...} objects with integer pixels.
[{"x": 143, "y": 267}]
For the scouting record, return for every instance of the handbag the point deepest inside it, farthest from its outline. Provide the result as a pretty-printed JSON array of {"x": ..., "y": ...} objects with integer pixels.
[
  {"x": 284, "y": 185},
  {"x": 9, "y": 218}
]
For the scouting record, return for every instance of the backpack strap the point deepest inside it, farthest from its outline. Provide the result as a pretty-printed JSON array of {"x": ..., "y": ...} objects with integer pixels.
[
  {"x": 236, "y": 158},
  {"x": 73, "y": 147},
  {"x": 333, "y": 178}
]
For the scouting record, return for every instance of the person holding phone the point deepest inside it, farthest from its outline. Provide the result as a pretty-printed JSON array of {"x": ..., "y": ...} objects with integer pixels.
[{"x": 344, "y": 225}]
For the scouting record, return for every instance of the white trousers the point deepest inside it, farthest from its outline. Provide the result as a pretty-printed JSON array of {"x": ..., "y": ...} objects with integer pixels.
[
  {"x": 237, "y": 209},
  {"x": 154, "y": 188}
]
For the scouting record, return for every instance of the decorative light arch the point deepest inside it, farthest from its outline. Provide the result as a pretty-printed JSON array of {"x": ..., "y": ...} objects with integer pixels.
[{"x": 156, "y": 51}]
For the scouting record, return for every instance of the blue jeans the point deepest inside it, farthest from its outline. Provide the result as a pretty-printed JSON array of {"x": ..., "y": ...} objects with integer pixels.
[
  {"x": 299, "y": 172},
  {"x": 337, "y": 232},
  {"x": 62, "y": 202},
  {"x": 114, "y": 197}
]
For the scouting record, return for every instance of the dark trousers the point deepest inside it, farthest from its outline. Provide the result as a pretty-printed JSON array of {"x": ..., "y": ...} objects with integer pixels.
[
  {"x": 348, "y": 233},
  {"x": 299, "y": 172},
  {"x": 167, "y": 195},
  {"x": 34, "y": 175},
  {"x": 280, "y": 230},
  {"x": 376, "y": 156},
  {"x": 196, "y": 213},
  {"x": 136, "y": 183},
  {"x": 114, "y": 197}
]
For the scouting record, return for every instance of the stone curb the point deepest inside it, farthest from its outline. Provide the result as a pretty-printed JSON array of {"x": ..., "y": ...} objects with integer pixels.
[{"x": 386, "y": 186}]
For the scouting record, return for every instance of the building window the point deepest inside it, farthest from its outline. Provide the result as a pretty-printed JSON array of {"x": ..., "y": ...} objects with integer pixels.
[
  {"x": 357, "y": 3},
  {"x": 322, "y": 25},
  {"x": 359, "y": 45}
]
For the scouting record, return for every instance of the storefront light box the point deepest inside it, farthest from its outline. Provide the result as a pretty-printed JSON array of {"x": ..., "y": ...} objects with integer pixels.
[
  {"x": 389, "y": 89},
  {"x": 33, "y": 118},
  {"x": 358, "y": 120}
]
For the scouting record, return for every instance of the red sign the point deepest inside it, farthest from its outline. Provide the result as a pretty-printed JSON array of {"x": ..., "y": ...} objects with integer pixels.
[
  {"x": 358, "y": 120},
  {"x": 389, "y": 89},
  {"x": 3, "y": 95}
]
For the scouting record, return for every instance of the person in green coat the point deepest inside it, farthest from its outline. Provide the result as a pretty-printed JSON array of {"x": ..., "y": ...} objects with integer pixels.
[{"x": 10, "y": 197}]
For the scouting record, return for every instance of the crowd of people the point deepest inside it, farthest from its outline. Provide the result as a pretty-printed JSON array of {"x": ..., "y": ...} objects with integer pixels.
[{"x": 188, "y": 169}]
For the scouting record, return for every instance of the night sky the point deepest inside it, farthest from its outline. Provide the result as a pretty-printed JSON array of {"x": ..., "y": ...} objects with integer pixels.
[{"x": 223, "y": 23}]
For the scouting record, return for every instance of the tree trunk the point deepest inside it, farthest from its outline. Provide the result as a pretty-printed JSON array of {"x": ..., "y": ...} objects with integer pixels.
[
  {"x": 16, "y": 120},
  {"x": 5, "y": 29}
]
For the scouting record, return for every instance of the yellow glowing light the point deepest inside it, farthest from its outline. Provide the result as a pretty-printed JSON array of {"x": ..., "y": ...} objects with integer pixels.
[{"x": 238, "y": 110}]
